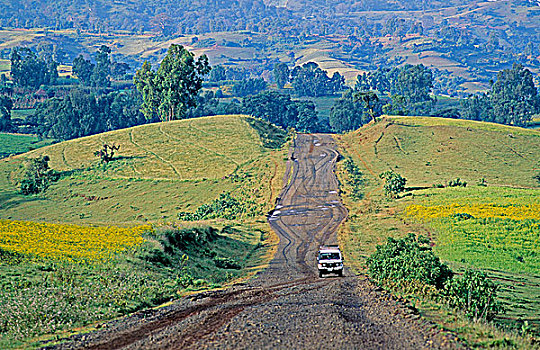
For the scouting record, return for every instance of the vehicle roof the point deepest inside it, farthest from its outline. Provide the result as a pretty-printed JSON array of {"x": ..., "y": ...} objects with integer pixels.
[{"x": 329, "y": 250}]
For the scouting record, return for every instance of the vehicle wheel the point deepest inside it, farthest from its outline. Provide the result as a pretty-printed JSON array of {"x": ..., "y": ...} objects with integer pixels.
[
  {"x": 320, "y": 274},
  {"x": 340, "y": 273}
]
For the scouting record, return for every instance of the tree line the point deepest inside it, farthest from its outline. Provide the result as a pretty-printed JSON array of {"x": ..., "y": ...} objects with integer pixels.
[{"x": 173, "y": 90}]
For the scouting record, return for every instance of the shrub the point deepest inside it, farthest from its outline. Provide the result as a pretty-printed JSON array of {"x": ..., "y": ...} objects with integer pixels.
[
  {"x": 457, "y": 183},
  {"x": 355, "y": 179},
  {"x": 37, "y": 176},
  {"x": 226, "y": 207},
  {"x": 474, "y": 294},
  {"x": 408, "y": 259},
  {"x": 394, "y": 183}
]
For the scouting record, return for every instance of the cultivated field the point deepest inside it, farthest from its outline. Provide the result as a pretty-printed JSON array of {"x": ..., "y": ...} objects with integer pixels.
[{"x": 491, "y": 224}]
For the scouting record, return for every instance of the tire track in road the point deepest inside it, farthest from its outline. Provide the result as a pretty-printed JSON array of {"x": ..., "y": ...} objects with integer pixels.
[{"x": 286, "y": 305}]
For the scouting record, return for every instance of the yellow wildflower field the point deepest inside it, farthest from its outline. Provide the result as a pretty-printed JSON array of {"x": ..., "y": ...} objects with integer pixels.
[
  {"x": 482, "y": 210},
  {"x": 67, "y": 242}
]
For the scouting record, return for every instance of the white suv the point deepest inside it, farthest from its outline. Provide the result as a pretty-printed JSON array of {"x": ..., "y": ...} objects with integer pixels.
[{"x": 330, "y": 260}]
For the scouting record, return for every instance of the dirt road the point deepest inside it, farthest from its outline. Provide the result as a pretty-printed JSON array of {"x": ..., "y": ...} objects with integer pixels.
[{"x": 286, "y": 306}]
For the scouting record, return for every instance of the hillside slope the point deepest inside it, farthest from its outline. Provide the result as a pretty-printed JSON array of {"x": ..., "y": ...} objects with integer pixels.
[
  {"x": 160, "y": 169},
  {"x": 431, "y": 151},
  {"x": 491, "y": 225}
]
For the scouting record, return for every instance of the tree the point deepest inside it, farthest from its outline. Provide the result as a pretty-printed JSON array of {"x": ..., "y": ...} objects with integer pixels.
[
  {"x": 514, "y": 97},
  {"x": 102, "y": 69},
  {"x": 347, "y": 113},
  {"x": 414, "y": 84},
  {"x": 83, "y": 69},
  {"x": 29, "y": 70},
  {"x": 106, "y": 153},
  {"x": 281, "y": 74},
  {"x": 409, "y": 88},
  {"x": 279, "y": 109},
  {"x": 172, "y": 89},
  {"x": 249, "y": 87},
  {"x": 37, "y": 176},
  {"x": 6, "y": 104},
  {"x": 370, "y": 100},
  {"x": 394, "y": 183},
  {"x": 310, "y": 80}
]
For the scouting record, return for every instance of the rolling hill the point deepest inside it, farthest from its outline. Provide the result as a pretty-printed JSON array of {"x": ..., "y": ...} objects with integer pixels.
[
  {"x": 160, "y": 170},
  {"x": 490, "y": 224}
]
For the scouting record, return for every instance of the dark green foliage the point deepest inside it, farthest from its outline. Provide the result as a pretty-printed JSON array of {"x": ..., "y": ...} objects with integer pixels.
[
  {"x": 168, "y": 92},
  {"x": 281, "y": 74},
  {"x": 355, "y": 179},
  {"x": 371, "y": 101},
  {"x": 280, "y": 109},
  {"x": 6, "y": 104},
  {"x": 474, "y": 294},
  {"x": 37, "y": 176},
  {"x": 457, "y": 183},
  {"x": 30, "y": 71},
  {"x": 248, "y": 87},
  {"x": 348, "y": 113},
  {"x": 271, "y": 136},
  {"x": 96, "y": 75},
  {"x": 106, "y": 153},
  {"x": 310, "y": 80},
  {"x": 462, "y": 216},
  {"x": 409, "y": 87},
  {"x": 83, "y": 69},
  {"x": 81, "y": 113},
  {"x": 512, "y": 100},
  {"x": 537, "y": 178},
  {"x": 394, "y": 183},
  {"x": 514, "y": 97},
  {"x": 408, "y": 259},
  {"x": 225, "y": 207}
]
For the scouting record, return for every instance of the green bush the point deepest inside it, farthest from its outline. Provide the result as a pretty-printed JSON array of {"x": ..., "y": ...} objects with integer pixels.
[
  {"x": 457, "y": 183},
  {"x": 37, "y": 176},
  {"x": 394, "y": 183},
  {"x": 408, "y": 259},
  {"x": 474, "y": 294},
  {"x": 226, "y": 207},
  {"x": 355, "y": 179}
]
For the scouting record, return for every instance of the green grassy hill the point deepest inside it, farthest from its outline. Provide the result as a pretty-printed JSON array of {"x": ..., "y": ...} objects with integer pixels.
[
  {"x": 491, "y": 225},
  {"x": 160, "y": 170}
]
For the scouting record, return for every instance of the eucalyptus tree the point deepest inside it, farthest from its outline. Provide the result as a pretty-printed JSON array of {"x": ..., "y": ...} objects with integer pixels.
[{"x": 171, "y": 89}]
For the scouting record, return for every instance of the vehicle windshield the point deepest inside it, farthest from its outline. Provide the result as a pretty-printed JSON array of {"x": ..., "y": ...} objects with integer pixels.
[{"x": 329, "y": 256}]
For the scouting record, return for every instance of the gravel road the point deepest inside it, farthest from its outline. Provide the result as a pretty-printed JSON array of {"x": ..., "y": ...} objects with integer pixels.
[{"x": 286, "y": 306}]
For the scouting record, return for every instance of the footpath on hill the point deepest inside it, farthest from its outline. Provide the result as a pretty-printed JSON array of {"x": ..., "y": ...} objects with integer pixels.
[{"x": 287, "y": 305}]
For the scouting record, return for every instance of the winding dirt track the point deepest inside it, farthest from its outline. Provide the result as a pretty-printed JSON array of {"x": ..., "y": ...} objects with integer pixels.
[{"x": 285, "y": 306}]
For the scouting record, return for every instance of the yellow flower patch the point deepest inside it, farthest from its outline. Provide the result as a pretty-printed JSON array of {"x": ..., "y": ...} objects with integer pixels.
[
  {"x": 485, "y": 210},
  {"x": 67, "y": 242}
]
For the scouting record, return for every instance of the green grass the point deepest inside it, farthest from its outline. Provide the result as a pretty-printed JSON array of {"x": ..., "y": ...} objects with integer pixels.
[
  {"x": 52, "y": 297},
  {"x": 430, "y": 151},
  {"x": 161, "y": 170},
  {"x": 18, "y": 143}
]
